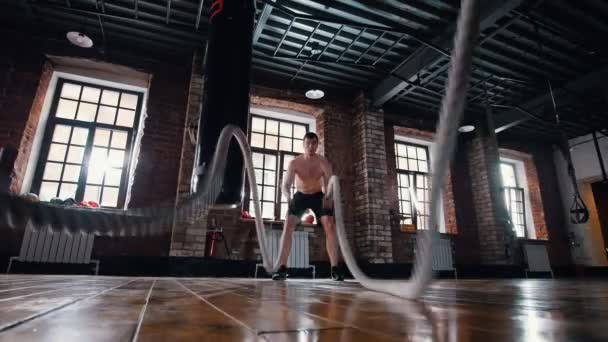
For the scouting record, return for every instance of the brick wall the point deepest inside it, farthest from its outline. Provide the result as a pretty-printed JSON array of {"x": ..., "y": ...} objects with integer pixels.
[
  {"x": 483, "y": 156},
  {"x": 31, "y": 125},
  {"x": 536, "y": 201},
  {"x": 404, "y": 242},
  {"x": 188, "y": 234},
  {"x": 20, "y": 82},
  {"x": 371, "y": 217}
]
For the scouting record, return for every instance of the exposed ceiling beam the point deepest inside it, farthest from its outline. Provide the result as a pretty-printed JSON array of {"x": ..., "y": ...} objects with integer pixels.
[
  {"x": 259, "y": 26},
  {"x": 515, "y": 117},
  {"x": 491, "y": 12}
]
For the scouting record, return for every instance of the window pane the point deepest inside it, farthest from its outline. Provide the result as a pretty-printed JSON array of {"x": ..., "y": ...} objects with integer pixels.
[
  {"x": 128, "y": 101},
  {"x": 99, "y": 158},
  {"x": 299, "y": 131},
  {"x": 403, "y": 180},
  {"x": 257, "y": 140},
  {"x": 411, "y": 152},
  {"x": 106, "y": 115},
  {"x": 269, "y": 177},
  {"x": 257, "y": 125},
  {"x": 268, "y": 210},
  {"x": 284, "y": 208},
  {"x": 298, "y": 146},
  {"x": 70, "y": 91},
  {"x": 422, "y": 166},
  {"x": 109, "y": 197},
  {"x": 61, "y": 133},
  {"x": 119, "y": 139},
  {"x": 258, "y": 160},
  {"x": 401, "y": 150},
  {"x": 48, "y": 190},
  {"x": 286, "y": 160},
  {"x": 109, "y": 97},
  {"x": 412, "y": 165},
  {"x": 95, "y": 175},
  {"x": 259, "y": 175},
  {"x": 402, "y": 163},
  {"x": 66, "y": 109},
  {"x": 102, "y": 137},
  {"x": 79, "y": 136},
  {"x": 272, "y": 127},
  {"x": 126, "y": 117},
  {"x": 421, "y": 153},
  {"x": 285, "y": 144},
  {"x": 71, "y": 173},
  {"x": 268, "y": 193},
  {"x": 113, "y": 177},
  {"x": 116, "y": 158},
  {"x": 92, "y": 193},
  {"x": 75, "y": 154},
  {"x": 286, "y": 129},
  {"x": 57, "y": 152},
  {"x": 67, "y": 191},
  {"x": 508, "y": 175},
  {"x": 90, "y": 94},
  {"x": 52, "y": 171},
  {"x": 271, "y": 142},
  {"x": 86, "y": 112},
  {"x": 270, "y": 162}
]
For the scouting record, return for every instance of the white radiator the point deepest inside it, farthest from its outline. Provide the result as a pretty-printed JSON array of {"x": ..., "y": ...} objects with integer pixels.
[
  {"x": 537, "y": 259},
  {"x": 300, "y": 249},
  {"x": 442, "y": 256},
  {"x": 46, "y": 246}
]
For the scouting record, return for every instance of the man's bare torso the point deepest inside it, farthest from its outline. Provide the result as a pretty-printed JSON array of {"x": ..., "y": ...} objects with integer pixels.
[{"x": 309, "y": 173}]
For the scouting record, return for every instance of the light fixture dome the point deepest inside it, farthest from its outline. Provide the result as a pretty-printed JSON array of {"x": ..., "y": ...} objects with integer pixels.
[
  {"x": 466, "y": 128},
  {"x": 315, "y": 94},
  {"x": 79, "y": 39}
]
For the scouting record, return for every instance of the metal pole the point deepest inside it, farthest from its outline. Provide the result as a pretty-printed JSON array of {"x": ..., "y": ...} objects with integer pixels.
[{"x": 599, "y": 156}]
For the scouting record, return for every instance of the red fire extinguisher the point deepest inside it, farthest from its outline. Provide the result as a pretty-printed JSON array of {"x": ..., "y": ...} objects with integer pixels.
[{"x": 213, "y": 237}]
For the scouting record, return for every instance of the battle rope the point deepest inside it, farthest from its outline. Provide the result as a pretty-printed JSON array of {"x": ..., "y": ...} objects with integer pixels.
[
  {"x": 451, "y": 114},
  {"x": 154, "y": 221}
]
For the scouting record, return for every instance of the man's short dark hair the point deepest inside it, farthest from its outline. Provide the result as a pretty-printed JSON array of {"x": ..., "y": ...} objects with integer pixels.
[{"x": 311, "y": 135}]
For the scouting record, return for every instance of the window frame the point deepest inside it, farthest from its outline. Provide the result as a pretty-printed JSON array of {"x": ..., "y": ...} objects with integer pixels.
[
  {"x": 279, "y": 155},
  {"x": 507, "y": 191},
  {"x": 413, "y": 174},
  {"x": 53, "y": 121}
]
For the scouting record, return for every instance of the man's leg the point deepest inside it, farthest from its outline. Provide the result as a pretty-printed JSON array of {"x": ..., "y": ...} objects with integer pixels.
[
  {"x": 331, "y": 239},
  {"x": 286, "y": 238}
]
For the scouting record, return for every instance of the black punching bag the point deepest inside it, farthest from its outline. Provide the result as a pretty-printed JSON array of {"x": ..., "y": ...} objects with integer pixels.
[{"x": 226, "y": 90}]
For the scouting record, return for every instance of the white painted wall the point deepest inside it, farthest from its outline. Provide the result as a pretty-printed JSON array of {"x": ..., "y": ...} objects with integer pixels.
[{"x": 590, "y": 249}]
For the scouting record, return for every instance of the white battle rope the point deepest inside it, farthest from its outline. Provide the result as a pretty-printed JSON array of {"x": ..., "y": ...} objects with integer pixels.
[
  {"x": 154, "y": 221},
  {"x": 443, "y": 149}
]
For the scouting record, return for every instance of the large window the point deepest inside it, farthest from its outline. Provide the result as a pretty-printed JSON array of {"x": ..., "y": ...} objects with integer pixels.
[
  {"x": 87, "y": 144},
  {"x": 413, "y": 181},
  {"x": 514, "y": 198},
  {"x": 274, "y": 144}
]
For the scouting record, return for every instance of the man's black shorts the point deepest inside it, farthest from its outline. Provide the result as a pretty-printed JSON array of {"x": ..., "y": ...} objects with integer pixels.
[{"x": 300, "y": 202}]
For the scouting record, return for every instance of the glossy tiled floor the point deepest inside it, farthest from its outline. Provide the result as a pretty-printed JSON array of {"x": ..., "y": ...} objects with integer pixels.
[{"x": 81, "y": 308}]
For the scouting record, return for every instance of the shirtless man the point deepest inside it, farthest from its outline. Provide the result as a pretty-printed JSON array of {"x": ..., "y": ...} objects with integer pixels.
[{"x": 311, "y": 173}]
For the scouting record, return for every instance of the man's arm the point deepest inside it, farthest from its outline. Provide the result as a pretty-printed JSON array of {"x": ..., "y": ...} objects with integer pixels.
[
  {"x": 288, "y": 181},
  {"x": 327, "y": 173}
]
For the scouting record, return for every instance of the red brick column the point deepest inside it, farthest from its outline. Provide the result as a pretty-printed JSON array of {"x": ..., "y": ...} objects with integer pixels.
[
  {"x": 371, "y": 207},
  {"x": 490, "y": 211},
  {"x": 188, "y": 235}
]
